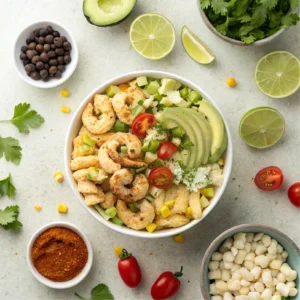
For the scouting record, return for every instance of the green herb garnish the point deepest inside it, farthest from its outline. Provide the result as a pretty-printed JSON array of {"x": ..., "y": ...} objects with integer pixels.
[
  {"x": 6, "y": 187},
  {"x": 10, "y": 149},
  {"x": 9, "y": 218},
  {"x": 99, "y": 292}
]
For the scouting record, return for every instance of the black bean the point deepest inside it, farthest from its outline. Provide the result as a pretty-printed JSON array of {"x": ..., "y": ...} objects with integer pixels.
[
  {"x": 55, "y": 34},
  {"x": 67, "y": 46},
  {"x": 42, "y": 40},
  {"x": 28, "y": 41},
  {"x": 35, "y": 75},
  {"x": 46, "y": 67},
  {"x": 26, "y": 62},
  {"x": 61, "y": 68},
  {"x": 46, "y": 79},
  {"x": 44, "y": 73},
  {"x": 60, "y": 60},
  {"x": 36, "y": 59},
  {"x": 24, "y": 49},
  {"x": 23, "y": 56},
  {"x": 43, "y": 32},
  {"x": 46, "y": 47},
  {"x": 49, "y": 39},
  {"x": 37, "y": 32},
  {"x": 52, "y": 46},
  {"x": 51, "y": 54},
  {"x": 32, "y": 37},
  {"x": 52, "y": 70},
  {"x": 39, "y": 48},
  {"x": 59, "y": 51},
  {"x": 57, "y": 75},
  {"x": 53, "y": 62},
  {"x": 58, "y": 42},
  {"x": 44, "y": 57},
  {"x": 67, "y": 59},
  {"x": 30, "y": 68},
  {"x": 50, "y": 29},
  {"x": 32, "y": 46},
  {"x": 39, "y": 65},
  {"x": 64, "y": 39},
  {"x": 31, "y": 53},
  {"x": 37, "y": 40}
]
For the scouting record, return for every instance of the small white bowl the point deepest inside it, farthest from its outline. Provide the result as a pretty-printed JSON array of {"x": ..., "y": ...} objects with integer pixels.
[
  {"x": 65, "y": 284},
  {"x": 73, "y": 132},
  {"x": 21, "y": 41}
]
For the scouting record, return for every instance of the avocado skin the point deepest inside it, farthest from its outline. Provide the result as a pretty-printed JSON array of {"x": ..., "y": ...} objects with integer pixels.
[{"x": 109, "y": 25}]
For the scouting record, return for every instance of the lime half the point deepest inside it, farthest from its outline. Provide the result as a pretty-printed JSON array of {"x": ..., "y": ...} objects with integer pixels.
[
  {"x": 152, "y": 36},
  {"x": 195, "y": 48},
  {"x": 262, "y": 127},
  {"x": 277, "y": 74}
]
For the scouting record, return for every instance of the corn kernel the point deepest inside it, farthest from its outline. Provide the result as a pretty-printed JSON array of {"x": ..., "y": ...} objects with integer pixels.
[
  {"x": 118, "y": 251},
  {"x": 65, "y": 93},
  {"x": 169, "y": 203},
  {"x": 58, "y": 176},
  {"x": 62, "y": 208},
  {"x": 65, "y": 109},
  {"x": 221, "y": 162},
  {"x": 188, "y": 210},
  {"x": 151, "y": 227},
  {"x": 179, "y": 238},
  {"x": 164, "y": 211},
  {"x": 208, "y": 192},
  {"x": 231, "y": 82},
  {"x": 37, "y": 207}
]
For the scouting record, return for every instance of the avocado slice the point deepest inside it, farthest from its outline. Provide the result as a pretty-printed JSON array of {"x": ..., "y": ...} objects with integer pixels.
[
  {"x": 212, "y": 159},
  {"x": 216, "y": 123},
  {"x": 107, "y": 12}
]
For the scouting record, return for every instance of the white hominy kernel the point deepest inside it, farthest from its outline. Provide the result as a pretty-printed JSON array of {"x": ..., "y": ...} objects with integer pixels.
[
  {"x": 253, "y": 246},
  {"x": 249, "y": 237},
  {"x": 236, "y": 275},
  {"x": 247, "y": 247},
  {"x": 228, "y": 257},
  {"x": 242, "y": 297},
  {"x": 214, "y": 274},
  {"x": 235, "y": 268},
  {"x": 274, "y": 242},
  {"x": 216, "y": 298},
  {"x": 213, "y": 265},
  {"x": 271, "y": 256},
  {"x": 221, "y": 286},
  {"x": 256, "y": 271},
  {"x": 267, "y": 278},
  {"x": 281, "y": 277},
  {"x": 240, "y": 257},
  {"x": 285, "y": 269},
  {"x": 279, "y": 248},
  {"x": 266, "y": 294},
  {"x": 260, "y": 249},
  {"x": 244, "y": 290},
  {"x": 236, "y": 294},
  {"x": 250, "y": 256},
  {"x": 239, "y": 244},
  {"x": 246, "y": 274},
  {"x": 240, "y": 236},
  {"x": 293, "y": 292},
  {"x": 274, "y": 273},
  {"x": 279, "y": 257},
  {"x": 262, "y": 261},
  {"x": 291, "y": 284},
  {"x": 272, "y": 249},
  {"x": 217, "y": 256},
  {"x": 222, "y": 267},
  {"x": 277, "y": 293},
  {"x": 266, "y": 240},
  {"x": 276, "y": 297},
  {"x": 259, "y": 287},
  {"x": 252, "y": 287},
  {"x": 228, "y": 296},
  {"x": 245, "y": 282},
  {"x": 233, "y": 285},
  {"x": 276, "y": 264},
  {"x": 225, "y": 275},
  {"x": 248, "y": 265},
  {"x": 284, "y": 254},
  {"x": 258, "y": 237},
  {"x": 226, "y": 245},
  {"x": 283, "y": 289},
  {"x": 228, "y": 265},
  {"x": 213, "y": 289},
  {"x": 234, "y": 251},
  {"x": 254, "y": 296},
  {"x": 275, "y": 281},
  {"x": 292, "y": 276}
]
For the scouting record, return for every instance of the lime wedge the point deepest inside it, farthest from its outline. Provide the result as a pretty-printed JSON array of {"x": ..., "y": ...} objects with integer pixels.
[
  {"x": 277, "y": 74},
  {"x": 262, "y": 127},
  {"x": 195, "y": 48},
  {"x": 152, "y": 36}
]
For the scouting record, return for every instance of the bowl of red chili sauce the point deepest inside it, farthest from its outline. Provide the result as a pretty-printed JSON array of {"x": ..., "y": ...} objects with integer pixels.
[{"x": 59, "y": 255}]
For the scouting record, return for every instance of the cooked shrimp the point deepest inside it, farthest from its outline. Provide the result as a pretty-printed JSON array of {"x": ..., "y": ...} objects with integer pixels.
[
  {"x": 87, "y": 187},
  {"x": 171, "y": 221},
  {"x": 109, "y": 200},
  {"x": 83, "y": 162},
  {"x": 139, "y": 220},
  {"x": 82, "y": 175},
  {"x": 123, "y": 177},
  {"x": 93, "y": 199},
  {"x": 194, "y": 203},
  {"x": 100, "y": 139},
  {"x": 80, "y": 149},
  {"x": 105, "y": 185},
  {"x": 104, "y": 117},
  {"x": 107, "y": 164},
  {"x": 122, "y": 109},
  {"x": 181, "y": 200},
  {"x": 159, "y": 201},
  {"x": 134, "y": 95}
]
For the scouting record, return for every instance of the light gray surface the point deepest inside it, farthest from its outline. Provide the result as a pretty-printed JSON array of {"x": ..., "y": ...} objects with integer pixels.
[{"x": 105, "y": 53}]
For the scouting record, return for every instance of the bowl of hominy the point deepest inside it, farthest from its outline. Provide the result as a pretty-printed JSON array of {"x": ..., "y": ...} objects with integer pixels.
[{"x": 251, "y": 262}]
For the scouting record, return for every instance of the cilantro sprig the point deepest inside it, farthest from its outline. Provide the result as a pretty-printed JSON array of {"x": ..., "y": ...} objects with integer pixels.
[
  {"x": 250, "y": 20},
  {"x": 10, "y": 149},
  {"x": 24, "y": 118},
  {"x": 99, "y": 292},
  {"x": 6, "y": 187},
  {"x": 9, "y": 218}
]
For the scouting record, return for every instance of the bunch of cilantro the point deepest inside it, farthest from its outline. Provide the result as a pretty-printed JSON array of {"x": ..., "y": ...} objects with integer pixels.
[{"x": 250, "y": 20}]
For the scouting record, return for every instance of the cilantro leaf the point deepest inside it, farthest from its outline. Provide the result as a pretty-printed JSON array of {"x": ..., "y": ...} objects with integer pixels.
[
  {"x": 241, "y": 8},
  {"x": 245, "y": 29},
  {"x": 204, "y": 3},
  {"x": 248, "y": 39},
  {"x": 289, "y": 20},
  {"x": 219, "y": 6},
  {"x": 99, "y": 292},
  {"x": 259, "y": 16},
  {"x": 294, "y": 4},
  {"x": 245, "y": 18},
  {"x": 6, "y": 187},
  {"x": 23, "y": 119},
  {"x": 269, "y": 4},
  {"x": 9, "y": 217},
  {"x": 9, "y": 147},
  {"x": 186, "y": 143}
]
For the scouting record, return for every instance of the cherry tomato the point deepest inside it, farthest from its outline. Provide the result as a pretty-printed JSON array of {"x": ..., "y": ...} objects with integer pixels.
[
  {"x": 166, "y": 150},
  {"x": 161, "y": 177},
  {"x": 294, "y": 194},
  {"x": 141, "y": 124},
  {"x": 166, "y": 285},
  {"x": 269, "y": 179},
  {"x": 129, "y": 269}
]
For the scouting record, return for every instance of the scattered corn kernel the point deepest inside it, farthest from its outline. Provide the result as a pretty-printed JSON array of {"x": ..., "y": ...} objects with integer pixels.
[
  {"x": 221, "y": 162},
  {"x": 58, "y": 176},
  {"x": 65, "y": 93},
  {"x": 37, "y": 207},
  {"x": 188, "y": 210},
  {"x": 208, "y": 192},
  {"x": 164, "y": 211},
  {"x": 151, "y": 227},
  {"x": 231, "y": 82},
  {"x": 62, "y": 208},
  {"x": 179, "y": 238},
  {"x": 65, "y": 109},
  {"x": 123, "y": 87},
  {"x": 169, "y": 203},
  {"x": 118, "y": 251}
]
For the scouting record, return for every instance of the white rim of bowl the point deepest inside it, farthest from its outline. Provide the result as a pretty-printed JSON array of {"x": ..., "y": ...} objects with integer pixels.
[
  {"x": 52, "y": 83},
  {"x": 65, "y": 284},
  {"x": 126, "y": 230}
]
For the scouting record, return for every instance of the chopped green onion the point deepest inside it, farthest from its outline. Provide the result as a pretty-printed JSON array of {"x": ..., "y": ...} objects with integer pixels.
[
  {"x": 88, "y": 141},
  {"x": 140, "y": 169},
  {"x": 150, "y": 198},
  {"x": 149, "y": 110},
  {"x": 111, "y": 212},
  {"x": 100, "y": 210},
  {"x": 92, "y": 173},
  {"x": 124, "y": 149},
  {"x": 141, "y": 102},
  {"x": 137, "y": 110},
  {"x": 186, "y": 143},
  {"x": 153, "y": 146},
  {"x": 112, "y": 90},
  {"x": 133, "y": 171},
  {"x": 133, "y": 208},
  {"x": 177, "y": 131},
  {"x": 158, "y": 97},
  {"x": 145, "y": 146},
  {"x": 193, "y": 97},
  {"x": 161, "y": 107},
  {"x": 120, "y": 127},
  {"x": 84, "y": 148},
  {"x": 117, "y": 221},
  {"x": 184, "y": 92}
]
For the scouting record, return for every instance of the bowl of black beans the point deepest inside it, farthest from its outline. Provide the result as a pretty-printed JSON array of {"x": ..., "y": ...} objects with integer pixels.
[{"x": 45, "y": 54}]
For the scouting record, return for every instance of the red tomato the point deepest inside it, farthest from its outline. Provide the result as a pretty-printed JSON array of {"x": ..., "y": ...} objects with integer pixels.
[
  {"x": 161, "y": 177},
  {"x": 294, "y": 194},
  {"x": 269, "y": 179},
  {"x": 166, "y": 285},
  {"x": 129, "y": 269},
  {"x": 166, "y": 150},
  {"x": 141, "y": 124}
]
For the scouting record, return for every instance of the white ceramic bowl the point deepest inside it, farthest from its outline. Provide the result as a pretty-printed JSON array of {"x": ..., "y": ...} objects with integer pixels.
[
  {"x": 73, "y": 132},
  {"x": 65, "y": 284},
  {"x": 21, "y": 41}
]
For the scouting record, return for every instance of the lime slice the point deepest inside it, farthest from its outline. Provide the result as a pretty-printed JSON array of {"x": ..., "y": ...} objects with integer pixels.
[
  {"x": 262, "y": 127},
  {"x": 195, "y": 48},
  {"x": 277, "y": 74},
  {"x": 152, "y": 36}
]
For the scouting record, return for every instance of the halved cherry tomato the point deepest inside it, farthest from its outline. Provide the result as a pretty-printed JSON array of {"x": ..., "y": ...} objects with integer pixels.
[
  {"x": 294, "y": 194},
  {"x": 161, "y": 177},
  {"x": 142, "y": 123},
  {"x": 129, "y": 269},
  {"x": 166, "y": 150},
  {"x": 166, "y": 285},
  {"x": 269, "y": 179}
]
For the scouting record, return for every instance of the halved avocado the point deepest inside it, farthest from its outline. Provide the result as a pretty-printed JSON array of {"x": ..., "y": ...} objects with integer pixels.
[{"x": 107, "y": 12}]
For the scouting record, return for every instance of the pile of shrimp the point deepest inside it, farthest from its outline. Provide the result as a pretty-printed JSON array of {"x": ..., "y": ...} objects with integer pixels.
[{"x": 112, "y": 183}]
